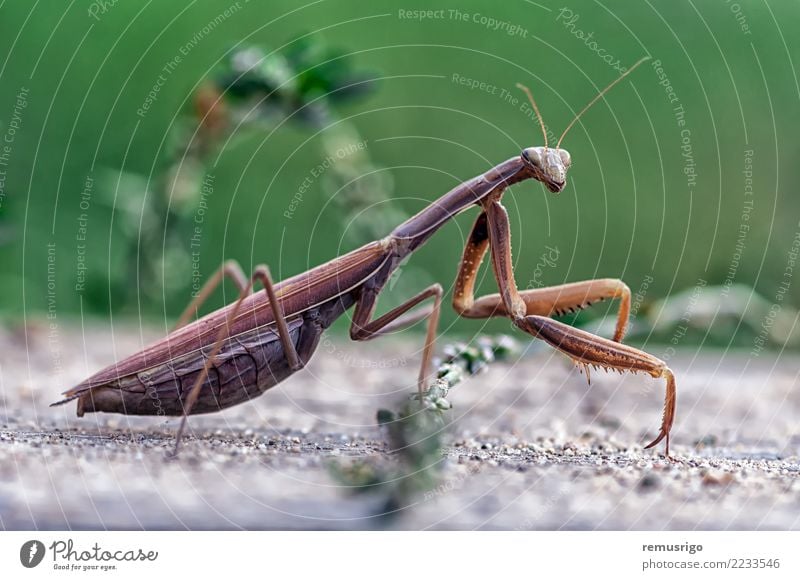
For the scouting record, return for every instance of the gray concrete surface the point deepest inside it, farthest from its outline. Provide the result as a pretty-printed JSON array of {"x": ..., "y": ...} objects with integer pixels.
[{"x": 530, "y": 445}]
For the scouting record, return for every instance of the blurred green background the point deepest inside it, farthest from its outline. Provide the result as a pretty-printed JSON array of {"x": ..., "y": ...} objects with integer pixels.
[{"x": 630, "y": 209}]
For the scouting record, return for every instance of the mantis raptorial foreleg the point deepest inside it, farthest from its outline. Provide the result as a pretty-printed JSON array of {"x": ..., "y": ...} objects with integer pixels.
[
  {"x": 363, "y": 328},
  {"x": 588, "y": 349},
  {"x": 542, "y": 301},
  {"x": 529, "y": 310},
  {"x": 262, "y": 274}
]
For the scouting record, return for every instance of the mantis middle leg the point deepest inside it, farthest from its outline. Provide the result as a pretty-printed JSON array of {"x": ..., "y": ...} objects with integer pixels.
[{"x": 363, "y": 328}]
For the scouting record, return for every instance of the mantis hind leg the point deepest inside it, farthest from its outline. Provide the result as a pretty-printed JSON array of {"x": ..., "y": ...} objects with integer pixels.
[
  {"x": 262, "y": 274},
  {"x": 230, "y": 269}
]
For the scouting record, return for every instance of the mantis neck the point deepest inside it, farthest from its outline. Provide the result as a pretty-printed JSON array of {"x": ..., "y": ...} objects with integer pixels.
[{"x": 416, "y": 230}]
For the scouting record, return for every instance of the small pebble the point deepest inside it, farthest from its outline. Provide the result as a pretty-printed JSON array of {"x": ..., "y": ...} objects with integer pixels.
[{"x": 717, "y": 477}]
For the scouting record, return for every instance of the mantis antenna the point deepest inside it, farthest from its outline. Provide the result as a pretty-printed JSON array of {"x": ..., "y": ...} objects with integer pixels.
[
  {"x": 600, "y": 94},
  {"x": 536, "y": 110}
]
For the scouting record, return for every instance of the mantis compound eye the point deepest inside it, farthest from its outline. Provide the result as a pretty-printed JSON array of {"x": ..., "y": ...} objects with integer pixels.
[
  {"x": 533, "y": 155},
  {"x": 565, "y": 158}
]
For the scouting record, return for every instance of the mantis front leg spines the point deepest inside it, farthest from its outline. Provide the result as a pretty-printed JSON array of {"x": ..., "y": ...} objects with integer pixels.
[{"x": 530, "y": 310}]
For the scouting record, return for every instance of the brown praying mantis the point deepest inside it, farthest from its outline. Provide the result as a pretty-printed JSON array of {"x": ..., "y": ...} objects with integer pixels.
[{"x": 239, "y": 351}]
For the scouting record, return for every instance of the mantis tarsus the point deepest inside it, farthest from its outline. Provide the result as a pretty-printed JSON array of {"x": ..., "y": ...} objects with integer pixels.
[{"x": 241, "y": 350}]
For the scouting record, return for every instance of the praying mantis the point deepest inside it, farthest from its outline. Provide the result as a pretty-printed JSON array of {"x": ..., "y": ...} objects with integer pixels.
[{"x": 239, "y": 351}]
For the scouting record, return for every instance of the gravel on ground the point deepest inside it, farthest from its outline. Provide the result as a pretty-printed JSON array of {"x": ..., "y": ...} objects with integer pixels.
[{"x": 530, "y": 445}]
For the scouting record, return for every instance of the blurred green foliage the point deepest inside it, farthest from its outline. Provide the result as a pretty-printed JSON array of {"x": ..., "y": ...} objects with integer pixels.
[
  {"x": 252, "y": 91},
  {"x": 629, "y": 210},
  {"x": 416, "y": 431}
]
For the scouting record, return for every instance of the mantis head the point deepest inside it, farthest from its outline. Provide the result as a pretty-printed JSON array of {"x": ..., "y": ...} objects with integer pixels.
[{"x": 550, "y": 165}]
